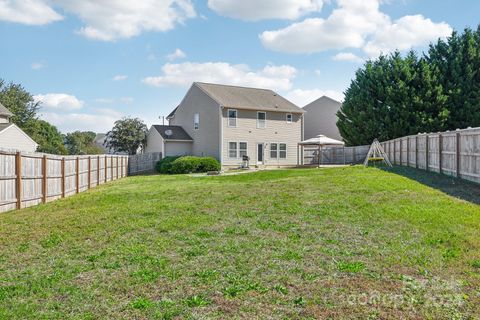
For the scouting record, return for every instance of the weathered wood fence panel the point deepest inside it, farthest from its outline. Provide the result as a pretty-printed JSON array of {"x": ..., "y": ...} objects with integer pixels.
[
  {"x": 143, "y": 163},
  {"x": 334, "y": 155},
  {"x": 27, "y": 179},
  {"x": 455, "y": 153}
]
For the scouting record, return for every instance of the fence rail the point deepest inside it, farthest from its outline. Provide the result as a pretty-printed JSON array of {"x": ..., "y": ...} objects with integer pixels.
[
  {"x": 455, "y": 153},
  {"x": 27, "y": 179},
  {"x": 143, "y": 163}
]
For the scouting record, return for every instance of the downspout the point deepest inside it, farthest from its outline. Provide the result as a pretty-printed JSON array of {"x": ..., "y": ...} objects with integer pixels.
[{"x": 220, "y": 119}]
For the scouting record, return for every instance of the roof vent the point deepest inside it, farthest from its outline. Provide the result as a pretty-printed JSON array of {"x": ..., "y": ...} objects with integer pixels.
[{"x": 168, "y": 132}]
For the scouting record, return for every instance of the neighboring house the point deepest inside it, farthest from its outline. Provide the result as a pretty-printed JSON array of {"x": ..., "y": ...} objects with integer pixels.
[
  {"x": 11, "y": 136},
  {"x": 229, "y": 122},
  {"x": 321, "y": 118}
]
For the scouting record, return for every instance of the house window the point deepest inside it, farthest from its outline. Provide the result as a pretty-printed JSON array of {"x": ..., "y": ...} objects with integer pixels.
[
  {"x": 283, "y": 151},
  {"x": 278, "y": 150},
  {"x": 196, "y": 121},
  {"x": 232, "y": 150},
  {"x": 242, "y": 150},
  {"x": 261, "y": 120},
  {"x": 232, "y": 117},
  {"x": 289, "y": 118},
  {"x": 273, "y": 150}
]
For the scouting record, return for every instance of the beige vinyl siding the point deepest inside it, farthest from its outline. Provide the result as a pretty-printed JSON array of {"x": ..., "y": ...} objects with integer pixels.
[
  {"x": 13, "y": 138},
  {"x": 321, "y": 118},
  {"x": 178, "y": 148},
  {"x": 4, "y": 120},
  {"x": 207, "y": 137},
  {"x": 277, "y": 130},
  {"x": 154, "y": 141}
]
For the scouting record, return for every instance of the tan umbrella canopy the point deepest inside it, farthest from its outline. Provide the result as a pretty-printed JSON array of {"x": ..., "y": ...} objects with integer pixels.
[{"x": 320, "y": 141}]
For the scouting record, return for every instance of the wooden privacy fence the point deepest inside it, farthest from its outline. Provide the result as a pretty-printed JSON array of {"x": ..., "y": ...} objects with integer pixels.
[
  {"x": 455, "y": 153},
  {"x": 27, "y": 179},
  {"x": 334, "y": 155},
  {"x": 143, "y": 163}
]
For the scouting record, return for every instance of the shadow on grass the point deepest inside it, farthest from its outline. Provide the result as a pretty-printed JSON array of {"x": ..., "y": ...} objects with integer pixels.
[{"x": 458, "y": 188}]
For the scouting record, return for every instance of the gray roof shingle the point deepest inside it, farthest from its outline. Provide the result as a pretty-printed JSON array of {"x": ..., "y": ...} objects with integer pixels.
[
  {"x": 248, "y": 98},
  {"x": 4, "y": 126},
  {"x": 177, "y": 132},
  {"x": 4, "y": 111}
]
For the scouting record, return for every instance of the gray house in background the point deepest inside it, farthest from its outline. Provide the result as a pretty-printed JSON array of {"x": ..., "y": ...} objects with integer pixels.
[
  {"x": 321, "y": 118},
  {"x": 229, "y": 122}
]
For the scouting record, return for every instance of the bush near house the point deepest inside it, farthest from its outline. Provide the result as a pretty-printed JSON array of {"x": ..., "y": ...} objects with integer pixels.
[{"x": 187, "y": 164}]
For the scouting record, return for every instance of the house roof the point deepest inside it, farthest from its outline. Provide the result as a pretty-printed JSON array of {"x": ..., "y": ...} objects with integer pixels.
[
  {"x": 321, "y": 99},
  {"x": 4, "y": 111},
  {"x": 170, "y": 115},
  {"x": 248, "y": 98},
  {"x": 4, "y": 126},
  {"x": 177, "y": 132}
]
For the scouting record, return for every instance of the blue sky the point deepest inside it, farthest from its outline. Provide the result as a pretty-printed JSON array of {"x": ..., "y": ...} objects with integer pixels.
[{"x": 93, "y": 61}]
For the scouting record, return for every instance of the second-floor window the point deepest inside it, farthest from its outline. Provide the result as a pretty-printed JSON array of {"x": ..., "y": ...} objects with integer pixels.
[
  {"x": 261, "y": 120},
  {"x": 232, "y": 117},
  {"x": 289, "y": 118},
  {"x": 196, "y": 121}
]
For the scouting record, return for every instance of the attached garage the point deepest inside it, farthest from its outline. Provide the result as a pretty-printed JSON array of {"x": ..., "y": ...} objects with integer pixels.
[{"x": 169, "y": 140}]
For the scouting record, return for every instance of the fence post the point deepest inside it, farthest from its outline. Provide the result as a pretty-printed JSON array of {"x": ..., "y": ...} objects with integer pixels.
[
  {"x": 416, "y": 151},
  {"x": 401, "y": 151},
  {"x": 111, "y": 168},
  {"x": 77, "y": 174},
  {"x": 105, "y": 169},
  {"x": 116, "y": 164},
  {"x": 440, "y": 151},
  {"x": 459, "y": 156},
  {"x": 408, "y": 151},
  {"x": 98, "y": 170},
  {"x": 63, "y": 177},
  {"x": 89, "y": 172},
  {"x": 18, "y": 173},
  {"x": 394, "y": 151},
  {"x": 427, "y": 151},
  {"x": 44, "y": 179}
]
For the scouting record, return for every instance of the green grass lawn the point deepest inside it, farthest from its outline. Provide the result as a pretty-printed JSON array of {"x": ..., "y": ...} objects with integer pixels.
[{"x": 348, "y": 242}]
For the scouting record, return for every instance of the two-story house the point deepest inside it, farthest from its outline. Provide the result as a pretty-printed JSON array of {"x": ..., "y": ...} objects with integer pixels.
[{"x": 229, "y": 122}]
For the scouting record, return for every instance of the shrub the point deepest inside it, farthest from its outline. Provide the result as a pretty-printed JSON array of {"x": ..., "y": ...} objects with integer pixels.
[
  {"x": 187, "y": 164},
  {"x": 209, "y": 164},
  {"x": 165, "y": 165}
]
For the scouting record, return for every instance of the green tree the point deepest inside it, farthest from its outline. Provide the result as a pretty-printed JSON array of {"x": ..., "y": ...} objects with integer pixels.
[
  {"x": 128, "y": 135},
  {"x": 82, "y": 142},
  {"x": 50, "y": 140},
  {"x": 21, "y": 103}
]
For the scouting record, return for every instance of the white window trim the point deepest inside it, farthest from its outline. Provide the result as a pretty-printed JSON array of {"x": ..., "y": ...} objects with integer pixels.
[
  {"x": 291, "y": 118},
  {"x": 265, "y": 121},
  {"x": 246, "y": 150},
  {"x": 194, "y": 122},
  {"x": 228, "y": 118},
  {"x": 278, "y": 150},
  {"x": 236, "y": 149}
]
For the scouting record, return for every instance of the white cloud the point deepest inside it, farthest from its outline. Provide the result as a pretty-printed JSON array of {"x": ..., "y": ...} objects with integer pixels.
[
  {"x": 254, "y": 10},
  {"x": 58, "y": 101},
  {"x": 183, "y": 74},
  {"x": 37, "y": 65},
  {"x": 100, "y": 120},
  {"x": 30, "y": 12},
  {"x": 105, "y": 20},
  {"x": 177, "y": 54},
  {"x": 126, "y": 100},
  {"x": 123, "y": 100},
  {"x": 405, "y": 33},
  {"x": 109, "y": 20},
  {"x": 119, "y": 77},
  {"x": 355, "y": 24},
  {"x": 303, "y": 97},
  {"x": 347, "y": 56}
]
